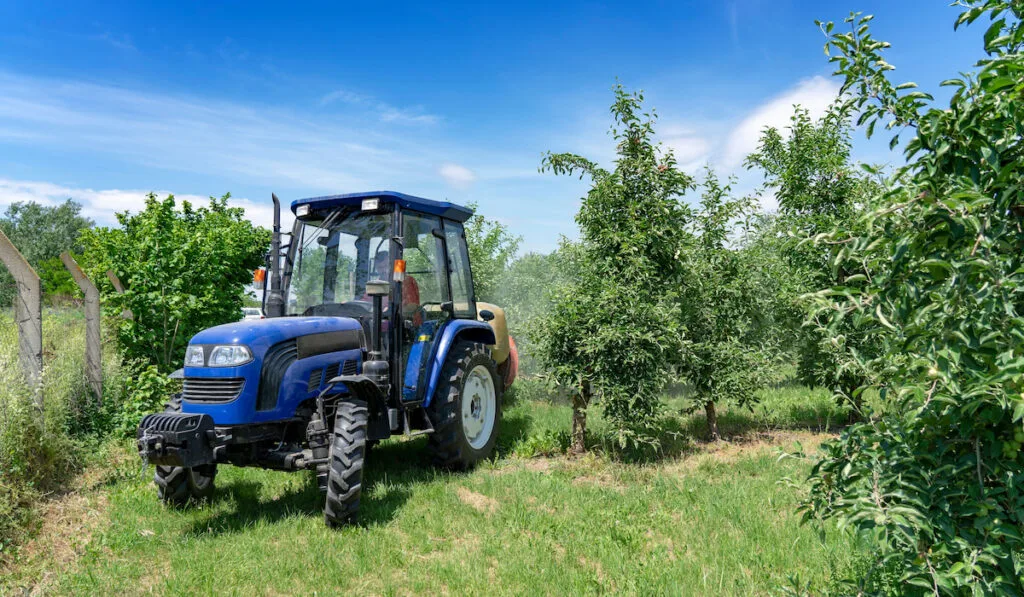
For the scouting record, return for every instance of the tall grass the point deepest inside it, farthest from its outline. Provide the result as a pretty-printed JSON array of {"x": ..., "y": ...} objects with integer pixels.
[{"x": 39, "y": 451}]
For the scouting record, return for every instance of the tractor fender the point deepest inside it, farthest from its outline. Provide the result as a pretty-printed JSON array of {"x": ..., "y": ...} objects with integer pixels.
[{"x": 458, "y": 329}]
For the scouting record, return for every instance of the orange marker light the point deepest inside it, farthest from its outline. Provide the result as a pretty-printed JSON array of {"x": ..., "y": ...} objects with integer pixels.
[{"x": 399, "y": 270}]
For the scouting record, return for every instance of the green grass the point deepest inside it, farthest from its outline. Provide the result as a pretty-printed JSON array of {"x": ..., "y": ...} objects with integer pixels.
[{"x": 712, "y": 519}]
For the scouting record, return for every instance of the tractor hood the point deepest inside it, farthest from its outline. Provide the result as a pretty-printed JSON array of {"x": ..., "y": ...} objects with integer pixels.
[{"x": 261, "y": 334}]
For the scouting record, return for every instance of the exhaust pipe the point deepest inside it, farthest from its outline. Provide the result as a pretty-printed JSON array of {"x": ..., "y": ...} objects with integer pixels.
[{"x": 274, "y": 298}]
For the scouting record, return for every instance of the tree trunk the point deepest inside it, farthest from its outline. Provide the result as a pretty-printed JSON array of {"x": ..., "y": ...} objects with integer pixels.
[
  {"x": 580, "y": 400},
  {"x": 712, "y": 416}
]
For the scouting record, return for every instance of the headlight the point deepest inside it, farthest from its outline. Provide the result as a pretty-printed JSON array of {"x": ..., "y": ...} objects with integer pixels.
[
  {"x": 229, "y": 356},
  {"x": 194, "y": 356}
]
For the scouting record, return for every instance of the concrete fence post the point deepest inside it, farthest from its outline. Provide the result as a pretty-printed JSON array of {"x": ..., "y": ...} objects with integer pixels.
[
  {"x": 119, "y": 287},
  {"x": 28, "y": 313},
  {"x": 93, "y": 347}
]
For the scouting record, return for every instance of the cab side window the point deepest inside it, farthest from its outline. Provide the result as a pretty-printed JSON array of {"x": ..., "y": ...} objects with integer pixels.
[
  {"x": 425, "y": 285},
  {"x": 458, "y": 264}
]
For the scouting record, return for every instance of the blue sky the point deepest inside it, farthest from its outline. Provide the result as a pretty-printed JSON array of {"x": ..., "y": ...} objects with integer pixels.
[{"x": 104, "y": 102}]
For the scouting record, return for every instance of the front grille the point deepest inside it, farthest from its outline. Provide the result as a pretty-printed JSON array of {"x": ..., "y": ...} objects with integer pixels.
[
  {"x": 350, "y": 368},
  {"x": 331, "y": 372},
  {"x": 212, "y": 389}
]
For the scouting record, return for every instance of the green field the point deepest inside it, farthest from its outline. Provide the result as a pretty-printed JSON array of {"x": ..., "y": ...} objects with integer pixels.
[{"x": 706, "y": 519}]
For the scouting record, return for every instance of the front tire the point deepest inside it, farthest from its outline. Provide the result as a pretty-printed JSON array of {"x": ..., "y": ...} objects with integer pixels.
[
  {"x": 466, "y": 410},
  {"x": 346, "y": 458},
  {"x": 176, "y": 485}
]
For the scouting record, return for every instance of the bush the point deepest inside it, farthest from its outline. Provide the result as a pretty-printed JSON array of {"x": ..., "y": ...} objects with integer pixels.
[
  {"x": 183, "y": 271},
  {"x": 39, "y": 456},
  {"x": 147, "y": 391}
]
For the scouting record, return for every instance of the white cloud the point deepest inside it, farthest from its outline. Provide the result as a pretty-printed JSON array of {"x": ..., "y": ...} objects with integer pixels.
[
  {"x": 456, "y": 175},
  {"x": 814, "y": 94},
  {"x": 100, "y": 205},
  {"x": 769, "y": 202},
  {"x": 689, "y": 149}
]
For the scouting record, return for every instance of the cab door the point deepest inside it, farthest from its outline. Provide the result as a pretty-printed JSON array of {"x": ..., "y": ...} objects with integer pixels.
[
  {"x": 459, "y": 272},
  {"x": 426, "y": 298}
]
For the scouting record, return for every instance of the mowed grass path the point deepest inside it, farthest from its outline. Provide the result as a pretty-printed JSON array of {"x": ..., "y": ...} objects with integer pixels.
[{"x": 716, "y": 519}]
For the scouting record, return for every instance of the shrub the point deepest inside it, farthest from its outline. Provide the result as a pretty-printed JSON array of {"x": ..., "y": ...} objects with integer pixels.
[
  {"x": 41, "y": 233},
  {"x": 147, "y": 391},
  {"x": 183, "y": 271},
  {"x": 35, "y": 457}
]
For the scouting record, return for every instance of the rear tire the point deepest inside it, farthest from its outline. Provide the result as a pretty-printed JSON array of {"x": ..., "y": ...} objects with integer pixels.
[
  {"x": 346, "y": 458},
  {"x": 464, "y": 434},
  {"x": 176, "y": 485}
]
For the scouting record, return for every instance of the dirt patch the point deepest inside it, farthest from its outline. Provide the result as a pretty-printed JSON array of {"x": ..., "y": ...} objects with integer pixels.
[
  {"x": 535, "y": 504},
  {"x": 658, "y": 542},
  {"x": 598, "y": 570},
  {"x": 538, "y": 465},
  {"x": 602, "y": 480},
  {"x": 68, "y": 524},
  {"x": 748, "y": 445},
  {"x": 450, "y": 548},
  {"x": 155, "y": 577},
  {"x": 478, "y": 501},
  {"x": 533, "y": 465}
]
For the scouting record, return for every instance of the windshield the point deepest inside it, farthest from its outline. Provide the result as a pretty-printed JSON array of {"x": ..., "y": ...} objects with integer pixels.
[{"x": 334, "y": 259}]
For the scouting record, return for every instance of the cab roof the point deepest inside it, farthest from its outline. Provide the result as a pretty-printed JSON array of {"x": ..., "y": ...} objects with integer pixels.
[{"x": 429, "y": 206}]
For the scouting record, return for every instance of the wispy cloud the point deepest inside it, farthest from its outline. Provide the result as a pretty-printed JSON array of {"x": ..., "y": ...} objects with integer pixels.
[
  {"x": 120, "y": 42},
  {"x": 413, "y": 116},
  {"x": 814, "y": 94},
  {"x": 345, "y": 96},
  {"x": 230, "y": 51},
  {"x": 734, "y": 22},
  {"x": 385, "y": 112},
  {"x": 229, "y": 140}
]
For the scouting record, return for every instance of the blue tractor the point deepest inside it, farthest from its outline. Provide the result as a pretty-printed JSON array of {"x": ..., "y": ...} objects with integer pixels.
[{"x": 372, "y": 330}]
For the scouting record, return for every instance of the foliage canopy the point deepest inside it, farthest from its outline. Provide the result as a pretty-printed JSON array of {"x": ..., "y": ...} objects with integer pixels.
[
  {"x": 725, "y": 356},
  {"x": 41, "y": 233},
  {"x": 818, "y": 189},
  {"x": 183, "y": 271},
  {"x": 612, "y": 333},
  {"x": 492, "y": 248},
  {"x": 936, "y": 479}
]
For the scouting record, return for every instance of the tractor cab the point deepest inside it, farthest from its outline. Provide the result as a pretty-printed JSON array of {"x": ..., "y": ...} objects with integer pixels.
[
  {"x": 416, "y": 246},
  {"x": 372, "y": 330}
]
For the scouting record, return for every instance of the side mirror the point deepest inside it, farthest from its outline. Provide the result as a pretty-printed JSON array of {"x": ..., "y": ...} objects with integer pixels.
[
  {"x": 486, "y": 315},
  {"x": 377, "y": 288}
]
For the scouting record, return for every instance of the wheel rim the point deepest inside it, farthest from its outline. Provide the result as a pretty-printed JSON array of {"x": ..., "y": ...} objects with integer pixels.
[{"x": 479, "y": 406}]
